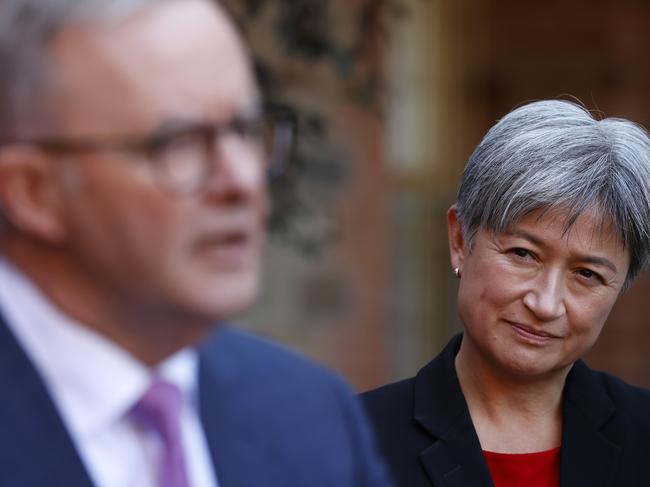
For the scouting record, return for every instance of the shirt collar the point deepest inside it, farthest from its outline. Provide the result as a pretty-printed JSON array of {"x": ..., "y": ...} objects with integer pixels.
[{"x": 93, "y": 381}]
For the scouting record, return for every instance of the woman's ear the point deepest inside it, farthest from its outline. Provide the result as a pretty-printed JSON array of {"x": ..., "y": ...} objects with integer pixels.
[
  {"x": 29, "y": 193},
  {"x": 456, "y": 239}
]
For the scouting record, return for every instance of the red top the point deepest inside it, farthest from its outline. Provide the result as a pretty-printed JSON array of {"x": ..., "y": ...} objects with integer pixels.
[{"x": 539, "y": 469}]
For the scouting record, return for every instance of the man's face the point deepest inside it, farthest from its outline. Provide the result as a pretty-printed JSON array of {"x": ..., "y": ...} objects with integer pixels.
[{"x": 145, "y": 249}]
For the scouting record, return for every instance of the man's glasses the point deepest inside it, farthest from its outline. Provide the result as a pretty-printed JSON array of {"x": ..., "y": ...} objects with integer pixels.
[{"x": 182, "y": 155}]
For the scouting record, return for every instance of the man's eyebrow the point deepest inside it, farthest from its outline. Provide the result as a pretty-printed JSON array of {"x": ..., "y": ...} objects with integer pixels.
[
  {"x": 591, "y": 259},
  {"x": 174, "y": 125},
  {"x": 179, "y": 124},
  {"x": 254, "y": 108}
]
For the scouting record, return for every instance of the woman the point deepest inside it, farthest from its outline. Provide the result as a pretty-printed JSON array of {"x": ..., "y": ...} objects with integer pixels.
[{"x": 551, "y": 224}]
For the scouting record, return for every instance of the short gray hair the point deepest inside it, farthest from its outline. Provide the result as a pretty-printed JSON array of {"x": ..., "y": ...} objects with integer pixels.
[
  {"x": 555, "y": 155},
  {"x": 26, "y": 29}
]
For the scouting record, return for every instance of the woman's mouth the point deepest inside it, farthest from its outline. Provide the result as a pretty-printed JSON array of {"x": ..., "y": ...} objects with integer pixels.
[{"x": 531, "y": 334}]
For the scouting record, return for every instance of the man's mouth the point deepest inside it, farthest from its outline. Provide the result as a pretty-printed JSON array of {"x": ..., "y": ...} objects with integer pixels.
[{"x": 232, "y": 248}]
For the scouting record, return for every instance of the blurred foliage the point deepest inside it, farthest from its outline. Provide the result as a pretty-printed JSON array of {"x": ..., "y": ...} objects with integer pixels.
[{"x": 346, "y": 38}]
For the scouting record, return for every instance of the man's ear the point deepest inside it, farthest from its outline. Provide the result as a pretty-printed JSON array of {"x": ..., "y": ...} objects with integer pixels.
[
  {"x": 29, "y": 193},
  {"x": 456, "y": 240}
]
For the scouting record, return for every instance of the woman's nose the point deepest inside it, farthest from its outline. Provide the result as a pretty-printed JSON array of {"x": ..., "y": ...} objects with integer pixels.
[{"x": 546, "y": 297}]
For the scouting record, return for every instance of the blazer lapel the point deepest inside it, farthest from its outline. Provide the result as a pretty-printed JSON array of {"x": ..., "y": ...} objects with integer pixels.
[
  {"x": 35, "y": 448},
  {"x": 229, "y": 431},
  {"x": 588, "y": 457},
  {"x": 215, "y": 384},
  {"x": 454, "y": 458}
]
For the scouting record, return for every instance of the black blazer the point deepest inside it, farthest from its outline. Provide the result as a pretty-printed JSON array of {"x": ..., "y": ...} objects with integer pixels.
[{"x": 427, "y": 436}]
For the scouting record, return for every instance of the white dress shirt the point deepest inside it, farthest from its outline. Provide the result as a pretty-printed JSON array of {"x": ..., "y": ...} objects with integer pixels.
[{"x": 94, "y": 384}]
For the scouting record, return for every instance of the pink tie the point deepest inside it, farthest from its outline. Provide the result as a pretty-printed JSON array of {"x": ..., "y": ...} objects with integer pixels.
[{"x": 159, "y": 411}]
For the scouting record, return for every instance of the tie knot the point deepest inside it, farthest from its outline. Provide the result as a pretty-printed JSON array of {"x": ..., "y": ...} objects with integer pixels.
[{"x": 159, "y": 409}]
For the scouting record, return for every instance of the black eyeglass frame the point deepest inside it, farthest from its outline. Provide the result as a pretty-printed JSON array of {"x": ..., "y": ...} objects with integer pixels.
[{"x": 278, "y": 119}]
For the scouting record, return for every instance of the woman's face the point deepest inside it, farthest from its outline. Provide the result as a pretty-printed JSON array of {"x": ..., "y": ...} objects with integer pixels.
[{"x": 534, "y": 299}]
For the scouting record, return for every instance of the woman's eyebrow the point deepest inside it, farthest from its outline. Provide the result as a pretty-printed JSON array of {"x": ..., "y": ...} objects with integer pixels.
[
  {"x": 527, "y": 236},
  {"x": 587, "y": 258},
  {"x": 599, "y": 261}
]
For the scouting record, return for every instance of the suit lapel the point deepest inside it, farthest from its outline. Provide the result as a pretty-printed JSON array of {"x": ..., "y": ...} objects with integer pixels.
[
  {"x": 236, "y": 458},
  {"x": 454, "y": 458},
  {"x": 35, "y": 448},
  {"x": 213, "y": 395},
  {"x": 588, "y": 456}
]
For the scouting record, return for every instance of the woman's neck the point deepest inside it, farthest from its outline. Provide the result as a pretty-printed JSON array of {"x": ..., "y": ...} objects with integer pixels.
[{"x": 510, "y": 414}]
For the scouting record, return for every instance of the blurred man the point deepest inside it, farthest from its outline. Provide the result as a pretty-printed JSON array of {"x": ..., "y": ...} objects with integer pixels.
[{"x": 132, "y": 193}]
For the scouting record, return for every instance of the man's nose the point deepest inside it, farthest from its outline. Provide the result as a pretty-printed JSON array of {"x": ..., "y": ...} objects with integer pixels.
[
  {"x": 546, "y": 297},
  {"x": 237, "y": 167}
]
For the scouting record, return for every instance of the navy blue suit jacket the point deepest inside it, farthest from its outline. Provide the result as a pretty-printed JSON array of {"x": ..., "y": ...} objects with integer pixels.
[
  {"x": 427, "y": 436},
  {"x": 271, "y": 419}
]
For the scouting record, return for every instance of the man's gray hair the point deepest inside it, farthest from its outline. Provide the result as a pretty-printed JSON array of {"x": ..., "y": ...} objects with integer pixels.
[
  {"x": 26, "y": 29},
  {"x": 555, "y": 155}
]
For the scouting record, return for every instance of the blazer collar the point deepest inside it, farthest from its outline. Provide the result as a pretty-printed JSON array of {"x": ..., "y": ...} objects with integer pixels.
[
  {"x": 35, "y": 447},
  {"x": 455, "y": 458},
  {"x": 588, "y": 456},
  {"x": 224, "y": 391}
]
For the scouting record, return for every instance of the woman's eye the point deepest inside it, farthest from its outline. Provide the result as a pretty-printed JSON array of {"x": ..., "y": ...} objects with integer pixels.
[
  {"x": 589, "y": 275},
  {"x": 521, "y": 253}
]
